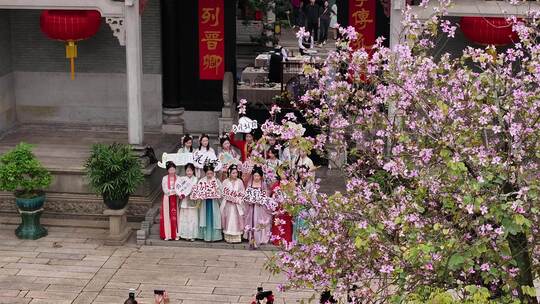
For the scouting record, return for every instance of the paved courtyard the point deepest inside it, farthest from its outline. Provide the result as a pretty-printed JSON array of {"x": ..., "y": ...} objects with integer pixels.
[{"x": 72, "y": 265}]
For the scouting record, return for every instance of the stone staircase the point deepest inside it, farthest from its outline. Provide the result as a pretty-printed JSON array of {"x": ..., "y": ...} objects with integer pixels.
[{"x": 154, "y": 240}]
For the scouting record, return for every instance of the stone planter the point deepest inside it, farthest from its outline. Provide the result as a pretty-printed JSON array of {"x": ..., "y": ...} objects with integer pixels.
[{"x": 30, "y": 210}]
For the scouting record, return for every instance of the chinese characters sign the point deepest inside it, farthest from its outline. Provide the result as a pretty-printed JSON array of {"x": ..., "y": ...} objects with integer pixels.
[
  {"x": 206, "y": 189},
  {"x": 211, "y": 39},
  {"x": 362, "y": 17}
]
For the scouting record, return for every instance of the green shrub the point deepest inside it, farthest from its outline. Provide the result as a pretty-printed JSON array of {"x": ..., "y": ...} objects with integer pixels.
[
  {"x": 114, "y": 171},
  {"x": 21, "y": 172}
]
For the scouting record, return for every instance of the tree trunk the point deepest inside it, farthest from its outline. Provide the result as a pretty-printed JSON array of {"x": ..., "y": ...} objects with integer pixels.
[{"x": 520, "y": 253}]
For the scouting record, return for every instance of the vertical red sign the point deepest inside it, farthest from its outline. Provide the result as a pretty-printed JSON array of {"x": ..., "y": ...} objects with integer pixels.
[
  {"x": 362, "y": 17},
  {"x": 211, "y": 39}
]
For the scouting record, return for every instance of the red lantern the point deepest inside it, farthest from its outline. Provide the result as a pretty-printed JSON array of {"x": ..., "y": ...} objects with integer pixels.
[
  {"x": 488, "y": 30},
  {"x": 258, "y": 15},
  {"x": 70, "y": 26}
]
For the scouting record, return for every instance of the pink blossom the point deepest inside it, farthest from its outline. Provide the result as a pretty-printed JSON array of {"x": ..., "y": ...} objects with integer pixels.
[
  {"x": 483, "y": 210},
  {"x": 386, "y": 269}
]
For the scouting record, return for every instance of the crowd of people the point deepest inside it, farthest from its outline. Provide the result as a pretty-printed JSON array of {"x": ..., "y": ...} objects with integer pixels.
[
  {"x": 318, "y": 17},
  {"x": 233, "y": 197}
]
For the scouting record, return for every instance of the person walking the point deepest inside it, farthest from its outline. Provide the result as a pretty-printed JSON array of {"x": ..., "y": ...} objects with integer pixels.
[
  {"x": 313, "y": 12},
  {"x": 326, "y": 13}
]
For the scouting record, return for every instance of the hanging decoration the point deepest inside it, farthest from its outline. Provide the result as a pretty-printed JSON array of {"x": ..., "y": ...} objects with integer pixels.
[
  {"x": 70, "y": 26},
  {"x": 362, "y": 15},
  {"x": 488, "y": 30},
  {"x": 211, "y": 39}
]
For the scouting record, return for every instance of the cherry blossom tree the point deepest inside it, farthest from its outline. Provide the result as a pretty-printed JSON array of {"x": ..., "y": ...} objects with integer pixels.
[{"x": 442, "y": 195}]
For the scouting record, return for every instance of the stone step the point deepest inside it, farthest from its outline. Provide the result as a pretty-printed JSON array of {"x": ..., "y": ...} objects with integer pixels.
[{"x": 154, "y": 240}]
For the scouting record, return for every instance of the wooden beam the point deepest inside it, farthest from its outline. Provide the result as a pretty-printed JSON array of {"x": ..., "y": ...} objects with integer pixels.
[{"x": 107, "y": 8}]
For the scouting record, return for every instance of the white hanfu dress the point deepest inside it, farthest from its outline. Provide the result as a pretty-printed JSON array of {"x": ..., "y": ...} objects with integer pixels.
[
  {"x": 189, "y": 215},
  {"x": 232, "y": 211}
]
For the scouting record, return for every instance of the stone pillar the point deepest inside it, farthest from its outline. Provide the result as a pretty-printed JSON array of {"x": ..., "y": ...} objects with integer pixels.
[
  {"x": 396, "y": 17},
  {"x": 119, "y": 231},
  {"x": 134, "y": 72},
  {"x": 227, "y": 112}
]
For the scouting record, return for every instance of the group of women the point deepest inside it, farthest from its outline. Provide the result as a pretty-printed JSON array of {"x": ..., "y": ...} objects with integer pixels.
[{"x": 234, "y": 201}]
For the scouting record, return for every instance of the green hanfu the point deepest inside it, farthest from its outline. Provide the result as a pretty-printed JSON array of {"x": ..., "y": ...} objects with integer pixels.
[{"x": 209, "y": 215}]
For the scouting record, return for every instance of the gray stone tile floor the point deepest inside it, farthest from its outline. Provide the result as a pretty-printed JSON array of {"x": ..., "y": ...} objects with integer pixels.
[{"x": 71, "y": 265}]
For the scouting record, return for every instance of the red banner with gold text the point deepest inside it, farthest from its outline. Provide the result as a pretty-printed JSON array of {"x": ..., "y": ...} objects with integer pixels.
[
  {"x": 362, "y": 17},
  {"x": 211, "y": 39}
]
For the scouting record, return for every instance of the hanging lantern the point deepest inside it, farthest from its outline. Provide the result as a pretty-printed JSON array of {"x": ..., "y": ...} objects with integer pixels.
[
  {"x": 258, "y": 15},
  {"x": 488, "y": 30},
  {"x": 70, "y": 26}
]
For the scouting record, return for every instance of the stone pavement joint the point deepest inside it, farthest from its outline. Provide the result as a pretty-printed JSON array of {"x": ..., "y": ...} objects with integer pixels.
[{"x": 85, "y": 271}]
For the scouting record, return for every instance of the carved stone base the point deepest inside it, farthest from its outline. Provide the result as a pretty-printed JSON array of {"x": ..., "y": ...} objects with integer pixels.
[
  {"x": 173, "y": 123},
  {"x": 119, "y": 231}
]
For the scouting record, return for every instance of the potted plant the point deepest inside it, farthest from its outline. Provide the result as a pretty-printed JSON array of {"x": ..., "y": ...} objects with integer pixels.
[
  {"x": 114, "y": 172},
  {"x": 23, "y": 174}
]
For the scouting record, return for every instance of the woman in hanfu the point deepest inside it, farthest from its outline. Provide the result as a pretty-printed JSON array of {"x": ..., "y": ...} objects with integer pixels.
[
  {"x": 247, "y": 166},
  {"x": 282, "y": 226},
  {"x": 227, "y": 156},
  {"x": 304, "y": 180},
  {"x": 187, "y": 146},
  {"x": 204, "y": 150},
  {"x": 272, "y": 142},
  {"x": 168, "y": 224},
  {"x": 189, "y": 209},
  {"x": 258, "y": 216},
  {"x": 245, "y": 146},
  {"x": 272, "y": 163},
  {"x": 208, "y": 190},
  {"x": 232, "y": 206}
]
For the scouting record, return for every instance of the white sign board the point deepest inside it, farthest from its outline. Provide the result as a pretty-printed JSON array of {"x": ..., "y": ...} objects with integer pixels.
[
  {"x": 183, "y": 186},
  {"x": 179, "y": 159},
  {"x": 200, "y": 157},
  {"x": 245, "y": 125}
]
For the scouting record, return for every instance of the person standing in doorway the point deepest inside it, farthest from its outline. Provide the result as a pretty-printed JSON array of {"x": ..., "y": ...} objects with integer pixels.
[
  {"x": 295, "y": 12},
  {"x": 313, "y": 12},
  {"x": 301, "y": 21},
  {"x": 326, "y": 13},
  {"x": 333, "y": 21}
]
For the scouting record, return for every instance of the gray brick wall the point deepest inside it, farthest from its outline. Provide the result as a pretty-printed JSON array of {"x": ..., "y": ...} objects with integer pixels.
[
  {"x": 5, "y": 43},
  {"x": 32, "y": 51}
]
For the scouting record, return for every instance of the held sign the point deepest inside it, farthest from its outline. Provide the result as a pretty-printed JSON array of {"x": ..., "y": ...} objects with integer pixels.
[
  {"x": 227, "y": 159},
  {"x": 201, "y": 157},
  {"x": 232, "y": 195},
  {"x": 245, "y": 125},
  {"x": 179, "y": 159},
  {"x": 205, "y": 190},
  {"x": 183, "y": 186},
  {"x": 256, "y": 196}
]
